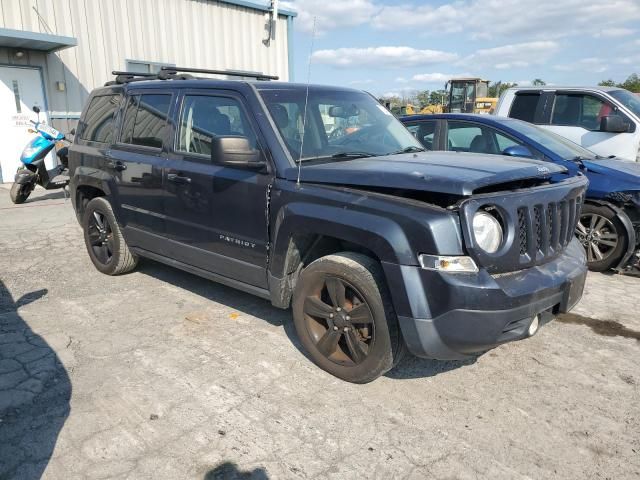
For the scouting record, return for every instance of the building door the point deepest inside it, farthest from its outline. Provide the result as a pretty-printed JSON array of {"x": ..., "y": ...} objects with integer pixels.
[{"x": 20, "y": 90}]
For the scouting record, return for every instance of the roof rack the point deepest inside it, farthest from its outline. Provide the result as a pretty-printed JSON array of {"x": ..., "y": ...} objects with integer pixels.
[
  {"x": 171, "y": 73},
  {"x": 231, "y": 73}
]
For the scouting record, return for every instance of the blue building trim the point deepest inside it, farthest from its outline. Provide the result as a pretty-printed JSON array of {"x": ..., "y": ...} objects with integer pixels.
[{"x": 257, "y": 6}]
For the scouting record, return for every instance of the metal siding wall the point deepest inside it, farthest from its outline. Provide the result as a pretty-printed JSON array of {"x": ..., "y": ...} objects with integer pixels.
[{"x": 195, "y": 33}]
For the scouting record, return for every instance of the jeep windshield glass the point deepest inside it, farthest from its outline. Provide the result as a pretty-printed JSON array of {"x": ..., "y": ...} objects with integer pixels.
[
  {"x": 340, "y": 124},
  {"x": 557, "y": 144},
  {"x": 628, "y": 99}
]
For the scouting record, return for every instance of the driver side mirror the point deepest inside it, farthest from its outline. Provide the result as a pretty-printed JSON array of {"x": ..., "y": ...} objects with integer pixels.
[
  {"x": 36, "y": 109},
  {"x": 517, "y": 151},
  {"x": 613, "y": 124},
  {"x": 235, "y": 151}
]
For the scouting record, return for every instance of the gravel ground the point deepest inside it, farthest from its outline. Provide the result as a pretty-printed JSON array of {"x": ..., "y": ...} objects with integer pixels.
[{"x": 160, "y": 374}]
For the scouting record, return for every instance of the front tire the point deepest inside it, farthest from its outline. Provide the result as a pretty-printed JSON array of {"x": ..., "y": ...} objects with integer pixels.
[
  {"x": 20, "y": 192},
  {"x": 602, "y": 235},
  {"x": 102, "y": 236},
  {"x": 344, "y": 318}
]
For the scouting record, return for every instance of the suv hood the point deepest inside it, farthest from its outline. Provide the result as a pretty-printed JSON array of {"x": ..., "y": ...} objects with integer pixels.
[{"x": 442, "y": 172}]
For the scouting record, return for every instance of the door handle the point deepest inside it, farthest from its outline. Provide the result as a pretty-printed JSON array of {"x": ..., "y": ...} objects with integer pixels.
[
  {"x": 117, "y": 165},
  {"x": 176, "y": 178}
]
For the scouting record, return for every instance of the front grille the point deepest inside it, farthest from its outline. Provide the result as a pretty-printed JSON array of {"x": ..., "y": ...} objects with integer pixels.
[
  {"x": 547, "y": 228},
  {"x": 538, "y": 224}
]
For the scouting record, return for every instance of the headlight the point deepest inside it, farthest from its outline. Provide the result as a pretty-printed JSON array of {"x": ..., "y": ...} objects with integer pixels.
[{"x": 487, "y": 231}]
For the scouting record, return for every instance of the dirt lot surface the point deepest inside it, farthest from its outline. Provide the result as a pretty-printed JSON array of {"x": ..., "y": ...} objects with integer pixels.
[{"x": 162, "y": 375}]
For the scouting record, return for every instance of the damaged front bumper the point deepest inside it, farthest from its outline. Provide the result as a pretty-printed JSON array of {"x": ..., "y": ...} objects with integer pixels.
[{"x": 449, "y": 316}]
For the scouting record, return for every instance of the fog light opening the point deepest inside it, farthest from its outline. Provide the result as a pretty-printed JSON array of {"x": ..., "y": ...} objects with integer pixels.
[{"x": 533, "y": 326}]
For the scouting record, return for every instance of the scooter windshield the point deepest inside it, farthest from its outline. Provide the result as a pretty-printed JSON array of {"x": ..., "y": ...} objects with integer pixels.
[{"x": 37, "y": 148}]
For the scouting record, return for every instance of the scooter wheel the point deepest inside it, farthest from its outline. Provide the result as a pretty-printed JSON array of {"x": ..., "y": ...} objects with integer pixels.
[{"x": 19, "y": 192}]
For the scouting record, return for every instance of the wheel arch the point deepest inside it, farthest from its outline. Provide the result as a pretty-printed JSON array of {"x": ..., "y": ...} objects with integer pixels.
[{"x": 301, "y": 237}]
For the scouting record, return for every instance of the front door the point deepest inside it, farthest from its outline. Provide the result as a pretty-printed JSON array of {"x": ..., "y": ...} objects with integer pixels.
[
  {"x": 216, "y": 216},
  {"x": 577, "y": 116},
  {"x": 20, "y": 90}
]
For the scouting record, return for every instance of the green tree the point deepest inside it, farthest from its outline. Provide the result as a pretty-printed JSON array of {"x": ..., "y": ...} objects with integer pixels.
[
  {"x": 438, "y": 97},
  {"x": 496, "y": 88},
  {"x": 632, "y": 83},
  {"x": 422, "y": 98},
  {"x": 607, "y": 83},
  {"x": 538, "y": 82}
]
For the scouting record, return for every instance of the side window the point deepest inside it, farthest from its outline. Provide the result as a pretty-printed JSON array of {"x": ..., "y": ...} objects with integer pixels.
[
  {"x": 424, "y": 132},
  {"x": 466, "y": 137},
  {"x": 145, "y": 120},
  {"x": 524, "y": 106},
  {"x": 205, "y": 117},
  {"x": 579, "y": 110},
  {"x": 98, "y": 122},
  {"x": 504, "y": 142}
]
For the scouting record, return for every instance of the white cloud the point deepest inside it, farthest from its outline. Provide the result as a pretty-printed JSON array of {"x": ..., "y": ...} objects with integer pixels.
[
  {"x": 331, "y": 14},
  {"x": 590, "y": 64},
  {"x": 517, "y": 55},
  {"x": 536, "y": 19},
  {"x": 382, "y": 57},
  {"x": 437, "y": 77},
  {"x": 615, "y": 32}
]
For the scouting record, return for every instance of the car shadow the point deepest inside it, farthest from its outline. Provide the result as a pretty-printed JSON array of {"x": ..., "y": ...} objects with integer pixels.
[
  {"x": 230, "y": 471},
  {"x": 409, "y": 367},
  {"x": 34, "y": 393}
]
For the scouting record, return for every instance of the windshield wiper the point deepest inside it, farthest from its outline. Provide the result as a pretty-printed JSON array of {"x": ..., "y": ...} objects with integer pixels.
[
  {"x": 353, "y": 155},
  {"x": 411, "y": 149}
]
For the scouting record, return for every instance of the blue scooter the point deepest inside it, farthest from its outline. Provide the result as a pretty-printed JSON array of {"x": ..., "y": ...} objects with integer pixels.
[{"x": 34, "y": 172}]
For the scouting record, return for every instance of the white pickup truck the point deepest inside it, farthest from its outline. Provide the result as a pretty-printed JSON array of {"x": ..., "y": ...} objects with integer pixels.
[{"x": 605, "y": 120}]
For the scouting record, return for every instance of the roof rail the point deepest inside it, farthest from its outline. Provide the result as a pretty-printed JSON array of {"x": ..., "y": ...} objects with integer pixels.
[
  {"x": 231, "y": 73},
  {"x": 128, "y": 77}
]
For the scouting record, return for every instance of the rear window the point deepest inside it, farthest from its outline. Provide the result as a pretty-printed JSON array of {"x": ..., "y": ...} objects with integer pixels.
[
  {"x": 98, "y": 122},
  {"x": 145, "y": 120},
  {"x": 524, "y": 106}
]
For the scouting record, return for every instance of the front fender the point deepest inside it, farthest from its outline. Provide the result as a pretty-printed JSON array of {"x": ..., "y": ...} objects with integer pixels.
[
  {"x": 382, "y": 236},
  {"x": 95, "y": 178},
  {"x": 25, "y": 176}
]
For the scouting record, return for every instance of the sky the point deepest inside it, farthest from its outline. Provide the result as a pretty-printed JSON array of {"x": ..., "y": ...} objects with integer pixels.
[{"x": 394, "y": 47}]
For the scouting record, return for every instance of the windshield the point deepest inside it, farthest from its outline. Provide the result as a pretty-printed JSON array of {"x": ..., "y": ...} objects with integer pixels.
[
  {"x": 339, "y": 124},
  {"x": 628, "y": 99},
  {"x": 557, "y": 144}
]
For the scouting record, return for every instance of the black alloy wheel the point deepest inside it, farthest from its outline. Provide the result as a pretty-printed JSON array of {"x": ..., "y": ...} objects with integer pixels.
[
  {"x": 101, "y": 237},
  {"x": 340, "y": 322}
]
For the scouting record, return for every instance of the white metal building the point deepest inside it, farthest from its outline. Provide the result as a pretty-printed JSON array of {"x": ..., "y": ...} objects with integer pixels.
[{"x": 54, "y": 52}]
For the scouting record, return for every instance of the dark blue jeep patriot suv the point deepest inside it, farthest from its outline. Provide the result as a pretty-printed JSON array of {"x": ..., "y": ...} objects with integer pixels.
[{"x": 318, "y": 198}]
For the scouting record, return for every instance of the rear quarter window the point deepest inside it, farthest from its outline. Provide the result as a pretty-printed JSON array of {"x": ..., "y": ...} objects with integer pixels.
[
  {"x": 98, "y": 123},
  {"x": 524, "y": 106}
]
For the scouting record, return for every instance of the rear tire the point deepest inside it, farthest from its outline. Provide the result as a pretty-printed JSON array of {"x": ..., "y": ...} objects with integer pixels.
[
  {"x": 603, "y": 237},
  {"x": 102, "y": 236},
  {"x": 344, "y": 318},
  {"x": 20, "y": 192}
]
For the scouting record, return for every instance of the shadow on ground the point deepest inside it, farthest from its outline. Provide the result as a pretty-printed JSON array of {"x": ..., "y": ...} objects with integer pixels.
[
  {"x": 230, "y": 471},
  {"x": 53, "y": 195},
  {"x": 409, "y": 367},
  {"x": 34, "y": 393}
]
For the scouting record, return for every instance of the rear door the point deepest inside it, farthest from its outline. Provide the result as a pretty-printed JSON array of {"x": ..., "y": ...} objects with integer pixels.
[
  {"x": 216, "y": 215},
  {"x": 426, "y": 132},
  {"x": 137, "y": 161},
  {"x": 577, "y": 115}
]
